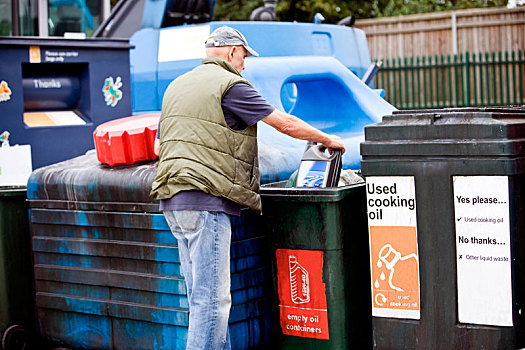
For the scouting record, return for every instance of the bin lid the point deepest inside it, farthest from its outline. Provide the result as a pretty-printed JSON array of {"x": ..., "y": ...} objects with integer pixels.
[
  {"x": 88, "y": 43},
  {"x": 126, "y": 141},
  {"x": 83, "y": 180},
  {"x": 486, "y": 131}
]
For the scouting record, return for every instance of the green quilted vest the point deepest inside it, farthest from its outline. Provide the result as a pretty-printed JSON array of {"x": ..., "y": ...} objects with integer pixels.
[{"x": 198, "y": 150}]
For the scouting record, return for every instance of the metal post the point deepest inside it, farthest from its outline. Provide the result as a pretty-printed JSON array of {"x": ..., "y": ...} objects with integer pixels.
[
  {"x": 487, "y": 74},
  {"x": 520, "y": 64},
  {"x": 394, "y": 80},
  {"x": 450, "y": 92},
  {"x": 436, "y": 73},
  {"x": 466, "y": 100},
  {"x": 418, "y": 83},
  {"x": 15, "y": 18},
  {"x": 43, "y": 16},
  {"x": 475, "y": 83},
  {"x": 456, "y": 79},
  {"x": 413, "y": 82},
  {"x": 407, "y": 103},
  {"x": 105, "y": 5},
  {"x": 500, "y": 74},
  {"x": 443, "y": 82},
  {"x": 425, "y": 97},
  {"x": 400, "y": 84},
  {"x": 507, "y": 76},
  {"x": 514, "y": 80},
  {"x": 481, "y": 86},
  {"x": 430, "y": 82},
  {"x": 390, "y": 88},
  {"x": 494, "y": 84}
]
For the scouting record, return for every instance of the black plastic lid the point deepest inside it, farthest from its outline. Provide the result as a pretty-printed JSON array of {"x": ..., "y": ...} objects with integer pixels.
[{"x": 486, "y": 131}]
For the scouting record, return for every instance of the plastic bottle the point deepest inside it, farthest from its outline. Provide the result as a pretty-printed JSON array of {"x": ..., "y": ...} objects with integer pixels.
[{"x": 317, "y": 169}]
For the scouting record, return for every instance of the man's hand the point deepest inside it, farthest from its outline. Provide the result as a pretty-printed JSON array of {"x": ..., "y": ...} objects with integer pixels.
[{"x": 334, "y": 142}]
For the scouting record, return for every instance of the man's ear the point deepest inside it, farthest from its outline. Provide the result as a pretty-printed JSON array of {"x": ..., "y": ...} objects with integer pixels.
[{"x": 231, "y": 51}]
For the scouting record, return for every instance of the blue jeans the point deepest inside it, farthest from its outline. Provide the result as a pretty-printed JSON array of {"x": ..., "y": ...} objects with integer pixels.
[{"x": 204, "y": 239}]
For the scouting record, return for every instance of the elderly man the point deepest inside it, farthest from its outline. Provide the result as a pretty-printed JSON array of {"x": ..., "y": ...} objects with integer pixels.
[{"x": 208, "y": 170}]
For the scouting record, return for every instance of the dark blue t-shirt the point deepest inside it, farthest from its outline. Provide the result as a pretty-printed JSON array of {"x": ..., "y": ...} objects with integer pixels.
[{"x": 242, "y": 107}]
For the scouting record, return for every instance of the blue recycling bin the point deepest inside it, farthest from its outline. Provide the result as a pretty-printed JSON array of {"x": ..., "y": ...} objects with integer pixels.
[
  {"x": 106, "y": 265},
  {"x": 55, "y": 91}
]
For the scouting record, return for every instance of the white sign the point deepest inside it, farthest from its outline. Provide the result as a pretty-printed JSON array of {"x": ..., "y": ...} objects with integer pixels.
[
  {"x": 183, "y": 43},
  {"x": 481, "y": 205},
  {"x": 15, "y": 165},
  {"x": 394, "y": 257}
]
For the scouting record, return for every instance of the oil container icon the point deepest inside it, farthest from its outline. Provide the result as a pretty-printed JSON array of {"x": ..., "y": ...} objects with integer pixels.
[{"x": 299, "y": 282}]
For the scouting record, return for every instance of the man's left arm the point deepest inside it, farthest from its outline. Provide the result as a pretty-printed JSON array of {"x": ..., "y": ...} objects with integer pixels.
[{"x": 156, "y": 146}]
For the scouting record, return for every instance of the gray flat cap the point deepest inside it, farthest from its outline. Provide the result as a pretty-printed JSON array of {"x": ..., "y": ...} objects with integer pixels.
[{"x": 227, "y": 36}]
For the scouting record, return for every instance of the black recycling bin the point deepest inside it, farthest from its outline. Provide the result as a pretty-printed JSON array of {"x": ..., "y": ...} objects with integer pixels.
[
  {"x": 445, "y": 197},
  {"x": 320, "y": 265},
  {"x": 16, "y": 287}
]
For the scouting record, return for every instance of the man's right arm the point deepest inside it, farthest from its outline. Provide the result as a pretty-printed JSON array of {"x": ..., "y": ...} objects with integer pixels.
[{"x": 299, "y": 129}]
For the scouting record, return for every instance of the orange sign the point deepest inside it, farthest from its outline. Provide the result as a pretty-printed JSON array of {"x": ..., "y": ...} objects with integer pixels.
[
  {"x": 302, "y": 297},
  {"x": 34, "y": 54},
  {"x": 395, "y": 268}
]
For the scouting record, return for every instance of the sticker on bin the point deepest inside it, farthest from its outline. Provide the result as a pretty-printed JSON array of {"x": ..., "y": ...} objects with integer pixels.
[
  {"x": 481, "y": 207},
  {"x": 394, "y": 258},
  {"x": 302, "y": 297}
]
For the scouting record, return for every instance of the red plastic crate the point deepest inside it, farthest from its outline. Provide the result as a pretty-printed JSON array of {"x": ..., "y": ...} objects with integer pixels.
[{"x": 126, "y": 141}]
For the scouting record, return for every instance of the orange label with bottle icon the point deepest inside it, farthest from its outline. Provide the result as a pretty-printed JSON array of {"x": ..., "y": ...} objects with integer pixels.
[
  {"x": 395, "y": 270},
  {"x": 394, "y": 257},
  {"x": 302, "y": 293}
]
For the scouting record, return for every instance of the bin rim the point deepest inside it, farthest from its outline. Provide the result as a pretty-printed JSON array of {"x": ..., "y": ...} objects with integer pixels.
[
  {"x": 6, "y": 191},
  {"x": 276, "y": 190},
  {"x": 518, "y": 109}
]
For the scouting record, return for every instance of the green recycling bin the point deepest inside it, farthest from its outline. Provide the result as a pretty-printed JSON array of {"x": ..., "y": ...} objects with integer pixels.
[
  {"x": 445, "y": 195},
  {"x": 319, "y": 244},
  {"x": 16, "y": 286}
]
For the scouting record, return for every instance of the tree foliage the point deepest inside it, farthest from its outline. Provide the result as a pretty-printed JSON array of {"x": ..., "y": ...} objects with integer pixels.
[
  {"x": 387, "y": 8},
  {"x": 335, "y": 10},
  {"x": 235, "y": 10}
]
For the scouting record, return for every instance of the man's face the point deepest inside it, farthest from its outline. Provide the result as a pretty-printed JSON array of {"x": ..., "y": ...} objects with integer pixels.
[{"x": 236, "y": 57}]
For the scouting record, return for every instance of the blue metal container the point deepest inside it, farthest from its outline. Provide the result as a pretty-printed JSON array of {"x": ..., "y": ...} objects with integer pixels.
[
  {"x": 160, "y": 55},
  {"x": 107, "y": 272},
  {"x": 310, "y": 70}
]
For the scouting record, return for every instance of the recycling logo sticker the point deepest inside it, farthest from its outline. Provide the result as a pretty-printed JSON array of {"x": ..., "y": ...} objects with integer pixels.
[
  {"x": 111, "y": 91},
  {"x": 5, "y": 91}
]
